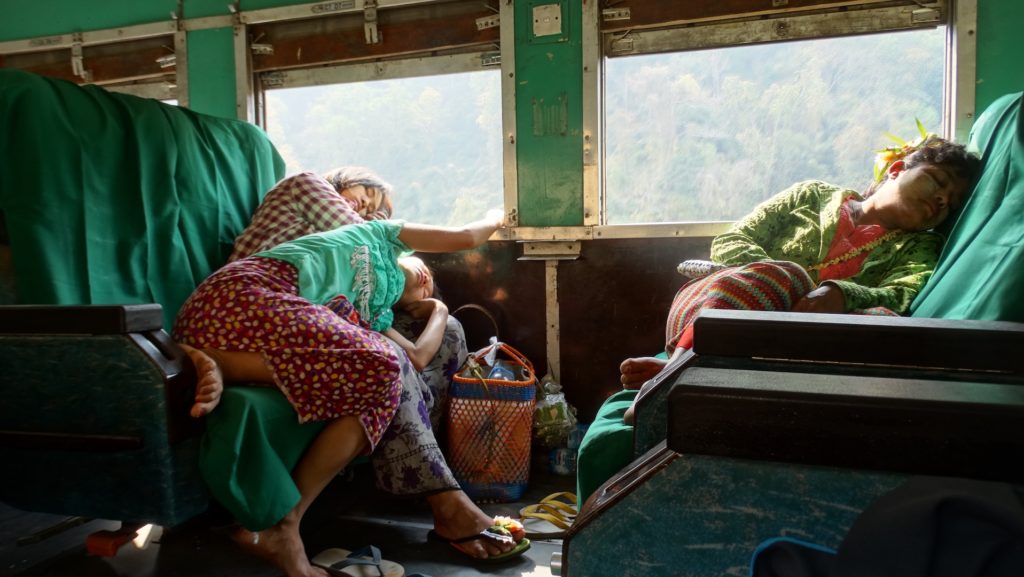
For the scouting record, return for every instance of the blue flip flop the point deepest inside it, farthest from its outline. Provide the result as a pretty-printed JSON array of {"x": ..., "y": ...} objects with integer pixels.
[{"x": 365, "y": 562}]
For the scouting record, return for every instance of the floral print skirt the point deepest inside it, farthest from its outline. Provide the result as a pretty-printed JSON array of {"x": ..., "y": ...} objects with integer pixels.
[
  {"x": 408, "y": 461},
  {"x": 324, "y": 359}
]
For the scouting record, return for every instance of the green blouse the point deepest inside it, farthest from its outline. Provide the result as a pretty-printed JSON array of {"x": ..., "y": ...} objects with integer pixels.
[
  {"x": 358, "y": 261},
  {"x": 798, "y": 225}
]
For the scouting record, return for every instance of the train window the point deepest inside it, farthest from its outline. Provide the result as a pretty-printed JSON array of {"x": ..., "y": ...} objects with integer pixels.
[
  {"x": 436, "y": 139},
  {"x": 705, "y": 135}
]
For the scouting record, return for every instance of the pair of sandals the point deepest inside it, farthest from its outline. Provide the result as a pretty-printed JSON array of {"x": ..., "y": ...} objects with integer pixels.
[
  {"x": 551, "y": 517},
  {"x": 367, "y": 562}
]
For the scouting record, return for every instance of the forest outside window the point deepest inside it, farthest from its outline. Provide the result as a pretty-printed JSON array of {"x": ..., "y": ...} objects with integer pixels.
[{"x": 706, "y": 135}]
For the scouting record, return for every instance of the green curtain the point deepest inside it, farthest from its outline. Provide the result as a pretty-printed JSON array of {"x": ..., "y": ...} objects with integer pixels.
[
  {"x": 980, "y": 274},
  {"x": 115, "y": 199}
]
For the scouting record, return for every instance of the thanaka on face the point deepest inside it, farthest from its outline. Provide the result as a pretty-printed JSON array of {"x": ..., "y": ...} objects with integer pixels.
[
  {"x": 918, "y": 198},
  {"x": 364, "y": 200}
]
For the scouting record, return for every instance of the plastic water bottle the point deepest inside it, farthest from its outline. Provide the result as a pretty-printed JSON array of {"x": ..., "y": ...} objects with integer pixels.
[{"x": 500, "y": 372}]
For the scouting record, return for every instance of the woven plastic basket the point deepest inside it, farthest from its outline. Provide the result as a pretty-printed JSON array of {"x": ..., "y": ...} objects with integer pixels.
[{"x": 489, "y": 425}]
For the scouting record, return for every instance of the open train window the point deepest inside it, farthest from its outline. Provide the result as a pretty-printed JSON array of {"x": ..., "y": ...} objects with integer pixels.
[
  {"x": 704, "y": 120},
  {"x": 411, "y": 90},
  {"x": 435, "y": 138}
]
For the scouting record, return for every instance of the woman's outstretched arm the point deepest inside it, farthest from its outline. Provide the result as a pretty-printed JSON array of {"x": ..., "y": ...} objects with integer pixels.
[{"x": 428, "y": 238}]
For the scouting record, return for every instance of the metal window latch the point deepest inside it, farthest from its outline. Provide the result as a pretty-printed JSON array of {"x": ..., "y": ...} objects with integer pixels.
[
  {"x": 373, "y": 35},
  {"x": 263, "y": 48},
  {"x": 925, "y": 16},
  {"x": 167, "y": 60},
  {"x": 77, "y": 61}
]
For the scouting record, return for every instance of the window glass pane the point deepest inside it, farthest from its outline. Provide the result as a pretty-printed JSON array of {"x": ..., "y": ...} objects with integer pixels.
[
  {"x": 706, "y": 135},
  {"x": 436, "y": 139}
]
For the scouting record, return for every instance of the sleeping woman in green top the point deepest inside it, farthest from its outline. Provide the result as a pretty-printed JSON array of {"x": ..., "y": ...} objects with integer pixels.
[{"x": 820, "y": 248}]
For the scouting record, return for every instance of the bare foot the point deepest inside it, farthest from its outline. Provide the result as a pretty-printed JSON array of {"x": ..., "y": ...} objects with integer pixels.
[
  {"x": 281, "y": 546},
  {"x": 210, "y": 383},
  {"x": 456, "y": 516},
  {"x": 636, "y": 371}
]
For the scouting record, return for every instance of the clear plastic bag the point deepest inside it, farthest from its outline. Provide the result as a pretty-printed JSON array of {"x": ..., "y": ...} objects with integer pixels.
[{"x": 554, "y": 417}]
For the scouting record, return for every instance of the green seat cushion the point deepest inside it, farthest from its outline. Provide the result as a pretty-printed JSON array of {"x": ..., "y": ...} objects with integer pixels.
[
  {"x": 980, "y": 274},
  {"x": 607, "y": 446}
]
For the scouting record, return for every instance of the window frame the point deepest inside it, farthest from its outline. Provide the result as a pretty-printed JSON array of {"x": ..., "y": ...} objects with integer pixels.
[
  {"x": 621, "y": 35},
  {"x": 392, "y": 69}
]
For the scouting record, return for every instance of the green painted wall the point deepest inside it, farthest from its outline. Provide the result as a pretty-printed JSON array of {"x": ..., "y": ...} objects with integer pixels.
[
  {"x": 21, "y": 19},
  {"x": 211, "y": 71},
  {"x": 549, "y": 117},
  {"x": 1000, "y": 46}
]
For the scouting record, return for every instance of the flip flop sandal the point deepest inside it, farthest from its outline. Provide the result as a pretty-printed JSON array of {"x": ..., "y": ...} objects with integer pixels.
[
  {"x": 551, "y": 517},
  {"x": 545, "y": 521},
  {"x": 499, "y": 532},
  {"x": 365, "y": 562},
  {"x": 564, "y": 501}
]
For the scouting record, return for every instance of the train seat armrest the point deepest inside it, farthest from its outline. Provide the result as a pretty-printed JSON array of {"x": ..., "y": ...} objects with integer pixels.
[
  {"x": 902, "y": 341},
  {"x": 917, "y": 426},
  {"x": 80, "y": 319}
]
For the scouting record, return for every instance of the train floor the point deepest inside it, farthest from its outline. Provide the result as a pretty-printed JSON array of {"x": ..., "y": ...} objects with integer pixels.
[{"x": 349, "y": 514}]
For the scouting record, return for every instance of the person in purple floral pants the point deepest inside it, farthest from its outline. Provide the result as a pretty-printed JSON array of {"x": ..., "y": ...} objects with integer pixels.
[{"x": 407, "y": 461}]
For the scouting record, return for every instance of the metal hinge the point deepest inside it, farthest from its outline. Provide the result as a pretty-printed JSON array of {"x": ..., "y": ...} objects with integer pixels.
[
  {"x": 490, "y": 59},
  {"x": 272, "y": 79},
  {"x": 263, "y": 49},
  {"x": 610, "y": 14},
  {"x": 550, "y": 250},
  {"x": 492, "y": 21},
  {"x": 621, "y": 45},
  {"x": 925, "y": 16},
  {"x": 373, "y": 35},
  {"x": 328, "y": 7}
]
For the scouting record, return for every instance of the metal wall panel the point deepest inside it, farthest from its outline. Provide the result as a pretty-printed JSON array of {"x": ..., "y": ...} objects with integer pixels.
[{"x": 613, "y": 302}]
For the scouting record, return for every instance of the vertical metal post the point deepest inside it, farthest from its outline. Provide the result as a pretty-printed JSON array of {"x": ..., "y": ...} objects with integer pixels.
[
  {"x": 181, "y": 66},
  {"x": 507, "y": 38},
  {"x": 592, "y": 148},
  {"x": 243, "y": 72},
  {"x": 553, "y": 332},
  {"x": 961, "y": 67}
]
